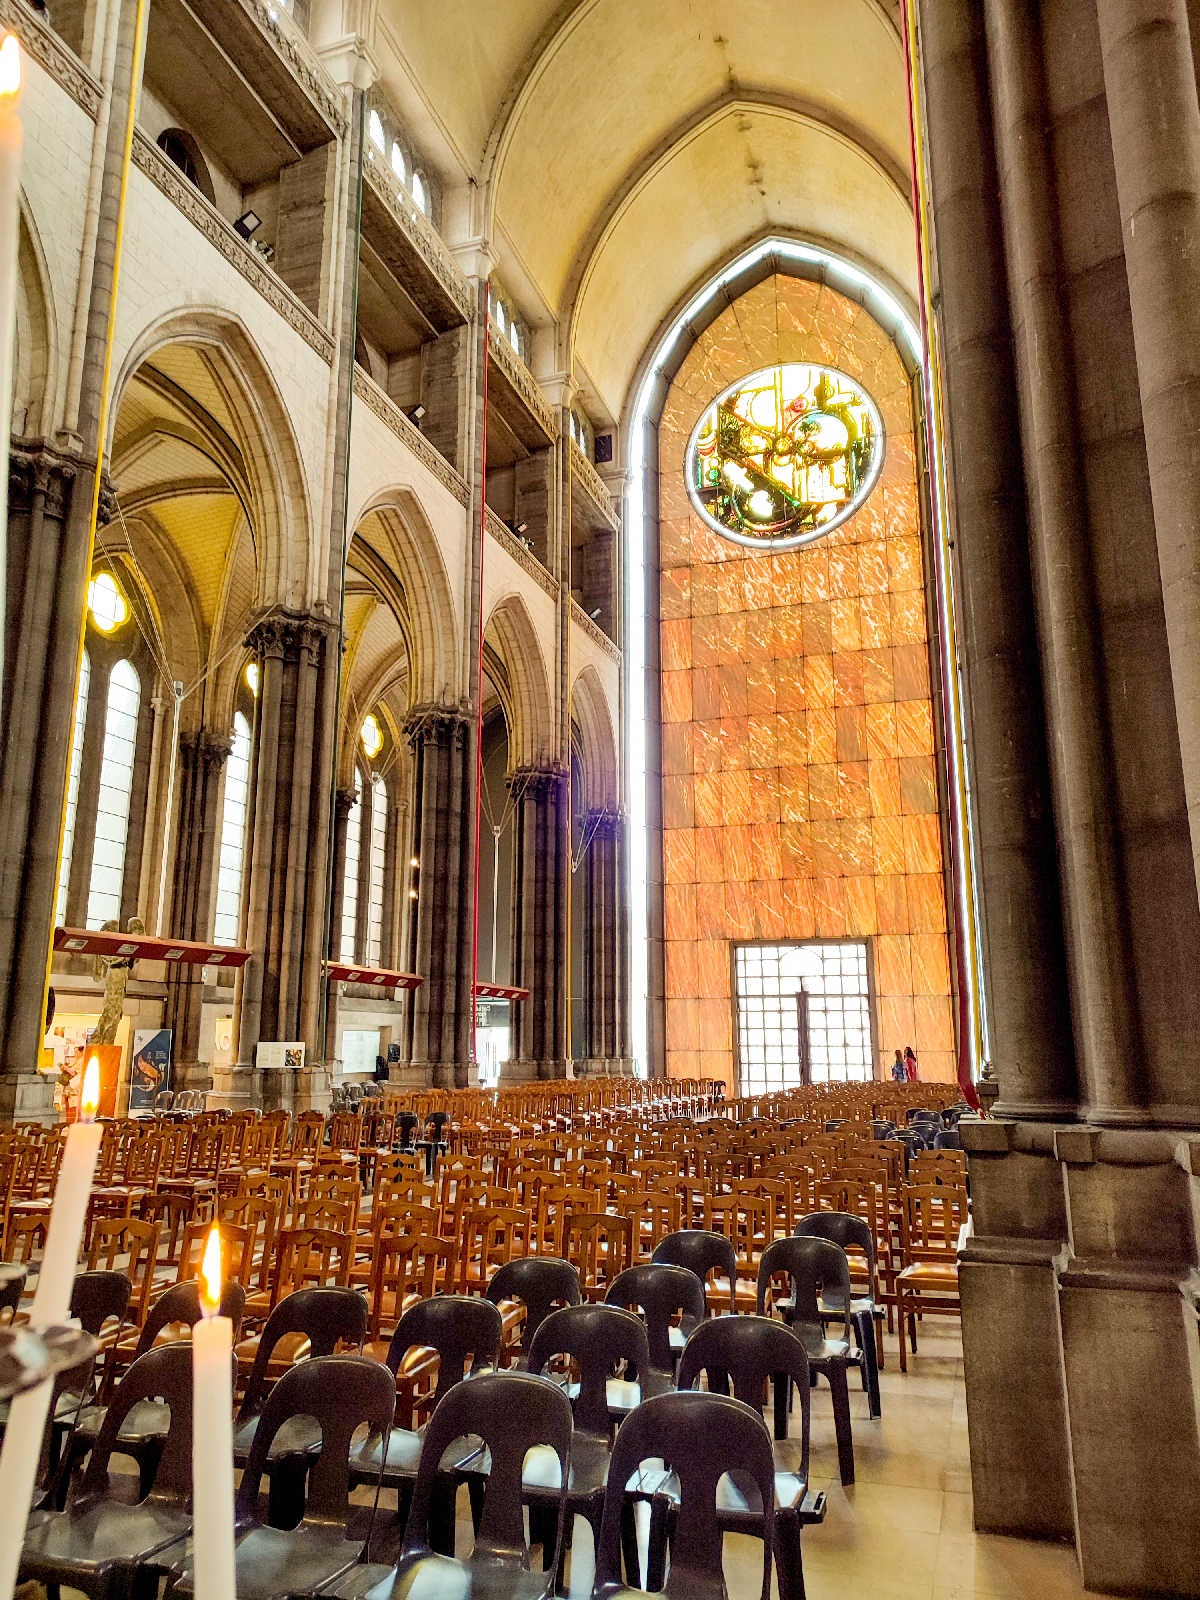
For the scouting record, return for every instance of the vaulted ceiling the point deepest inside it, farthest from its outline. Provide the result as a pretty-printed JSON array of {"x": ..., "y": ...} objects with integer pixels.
[{"x": 613, "y": 152}]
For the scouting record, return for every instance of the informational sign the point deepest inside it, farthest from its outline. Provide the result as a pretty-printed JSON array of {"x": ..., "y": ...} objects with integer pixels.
[
  {"x": 150, "y": 1072},
  {"x": 281, "y": 1054}
]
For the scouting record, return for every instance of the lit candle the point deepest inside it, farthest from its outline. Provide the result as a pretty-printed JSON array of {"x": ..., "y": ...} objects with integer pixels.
[
  {"x": 212, "y": 1437},
  {"x": 51, "y": 1304}
]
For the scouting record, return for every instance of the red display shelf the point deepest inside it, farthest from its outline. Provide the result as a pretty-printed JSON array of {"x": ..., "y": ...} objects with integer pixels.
[
  {"x": 377, "y": 977},
  {"x": 499, "y": 991},
  {"x": 141, "y": 947}
]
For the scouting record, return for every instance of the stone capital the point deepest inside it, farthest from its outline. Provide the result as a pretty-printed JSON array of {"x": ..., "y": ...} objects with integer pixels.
[{"x": 436, "y": 725}]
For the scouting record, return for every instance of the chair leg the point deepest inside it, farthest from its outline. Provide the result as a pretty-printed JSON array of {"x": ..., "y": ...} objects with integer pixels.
[
  {"x": 789, "y": 1566},
  {"x": 841, "y": 1420},
  {"x": 870, "y": 1372},
  {"x": 656, "y": 1554},
  {"x": 900, "y": 1319}
]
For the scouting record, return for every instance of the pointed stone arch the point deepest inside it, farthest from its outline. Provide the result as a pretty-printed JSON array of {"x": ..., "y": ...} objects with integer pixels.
[
  {"x": 35, "y": 357},
  {"x": 511, "y": 633},
  {"x": 412, "y": 554},
  {"x": 597, "y": 744}
]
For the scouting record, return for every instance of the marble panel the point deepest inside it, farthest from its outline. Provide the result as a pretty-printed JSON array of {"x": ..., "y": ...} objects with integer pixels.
[
  {"x": 735, "y": 796},
  {"x": 843, "y": 569},
  {"x": 922, "y": 844},
  {"x": 891, "y": 901},
  {"x": 707, "y": 747},
  {"x": 817, "y": 628},
  {"x": 858, "y": 855},
  {"x": 716, "y": 1023},
  {"x": 933, "y": 1023},
  {"x": 900, "y": 514},
  {"x": 710, "y": 855},
  {"x": 683, "y": 1024},
  {"x": 796, "y": 301},
  {"x": 882, "y": 735},
  {"x": 869, "y": 528},
  {"x": 707, "y": 547},
  {"x": 787, "y": 586},
  {"x": 791, "y": 737},
  {"x": 788, "y": 625},
  {"x": 760, "y": 688},
  {"x": 904, "y": 563},
  {"x": 707, "y": 800},
  {"x": 677, "y": 696},
  {"x": 760, "y": 636},
  {"x": 847, "y": 678},
  {"x": 878, "y": 679},
  {"x": 730, "y": 587},
  {"x": 914, "y": 727},
  {"x": 716, "y": 1065},
  {"x": 829, "y": 907},
  {"x": 764, "y": 794},
  {"x": 682, "y": 1063},
  {"x": 762, "y": 741},
  {"x": 814, "y": 574},
  {"x": 884, "y": 778},
  {"x": 875, "y": 620},
  {"x": 675, "y": 592},
  {"x": 930, "y": 964},
  {"x": 845, "y": 623},
  {"x": 896, "y": 1027},
  {"x": 872, "y": 567},
  {"x": 938, "y": 1066},
  {"x": 679, "y": 855},
  {"x": 676, "y": 643},
  {"x": 710, "y": 911},
  {"x": 789, "y": 686},
  {"x": 821, "y": 727},
  {"x": 796, "y": 852},
  {"x": 893, "y": 964},
  {"x": 918, "y": 785},
  {"x": 899, "y": 463},
  {"x": 853, "y": 789},
  {"x": 927, "y": 902},
  {"x": 818, "y": 681},
  {"x": 706, "y": 637},
  {"x": 769, "y": 909},
  {"x": 766, "y": 855},
  {"x": 826, "y": 835},
  {"x": 793, "y": 794},
  {"x": 887, "y": 842},
  {"x": 735, "y": 743},
  {"x": 910, "y": 666},
  {"x": 758, "y": 583},
  {"x": 732, "y": 689},
  {"x": 706, "y": 693},
  {"x": 679, "y": 960},
  {"x": 679, "y": 810},
  {"x": 850, "y": 723},
  {"x": 799, "y": 914},
  {"x": 909, "y": 622},
  {"x": 677, "y": 742},
  {"x": 704, "y": 591},
  {"x": 731, "y": 641},
  {"x": 737, "y": 850},
  {"x": 822, "y": 790},
  {"x": 672, "y": 447},
  {"x": 740, "y": 918},
  {"x": 861, "y": 915},
  {"x": 679, "y": 911},
  {"x": 674, "y": 515},
  {"x": 757, "y": 321},
  {"x": 713, "y": 981}
]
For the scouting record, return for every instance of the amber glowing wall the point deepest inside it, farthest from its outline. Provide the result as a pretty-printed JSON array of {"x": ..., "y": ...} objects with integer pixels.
[{"x": 800, "y": 794}]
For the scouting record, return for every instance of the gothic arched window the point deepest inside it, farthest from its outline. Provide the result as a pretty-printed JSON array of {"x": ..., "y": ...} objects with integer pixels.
[
  {"x": 227, "y": 921},
  {"x": 68, "y": 845},
  {"x": 378, "y": 837},
  {"x": 350, "y": 880},
  {"x": 116, "y": 784}
]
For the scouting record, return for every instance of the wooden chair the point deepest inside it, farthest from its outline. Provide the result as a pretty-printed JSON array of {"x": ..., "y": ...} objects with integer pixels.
[
  {"x": 934, "y": 1216},
  {"x": 309, "y": 1258},
  {"x": 599, "y": 1247}
]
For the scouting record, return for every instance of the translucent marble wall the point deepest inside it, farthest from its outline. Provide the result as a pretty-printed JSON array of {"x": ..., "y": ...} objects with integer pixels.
[{"x": 799, "y": 786}]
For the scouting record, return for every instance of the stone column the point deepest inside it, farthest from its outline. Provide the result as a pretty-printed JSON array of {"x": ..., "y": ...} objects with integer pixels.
[
  {"x": 1154, "y": 120},
  {"x": 343, "y": 805},
  {"x": 202, "y": 759},
  {"x": 443, "y": 929},
  {"x": 540, "y": 931},
  {"x": 606, "y": 953}
]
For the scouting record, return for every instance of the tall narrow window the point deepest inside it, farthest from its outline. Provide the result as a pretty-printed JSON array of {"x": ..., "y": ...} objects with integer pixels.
[
  {"x": 379, "y": 806},
  {"x": 233, "y": 835},
  {"x": 419, "y": 193},
  {"x": 375, "y": 130},
  {"x": 116, "y": 784},
  {"x": 350, "y": 881},
  {"x": 64, "y": 870}
]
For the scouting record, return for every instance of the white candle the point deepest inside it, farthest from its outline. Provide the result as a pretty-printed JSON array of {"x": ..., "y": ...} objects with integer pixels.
[
  {"x": 51, "y": 1304},
  {"x": 212, "y": 1437}
]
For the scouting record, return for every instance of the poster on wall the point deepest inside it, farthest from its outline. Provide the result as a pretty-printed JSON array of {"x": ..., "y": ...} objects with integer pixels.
[
  {"x": 150, "y": 1073},
  {"x": 285, "y": 1054}
]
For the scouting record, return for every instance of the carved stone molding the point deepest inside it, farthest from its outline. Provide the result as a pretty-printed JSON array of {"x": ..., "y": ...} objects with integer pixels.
[
  {"x": 35, "y": 468},
  {"x": 390, "y": 414},
  {"x": 208, "y": 748},
  {"x": 598, "y": 636},
  {"x": 302, "y": 60},
  {"x": 424, "y": 239},
  {"x": 605, "y": 822},
  {"x": 287, "y": 635},
  {"x": 524, "y": 558},
  {"x": 436, "y": 725},
  {"x": 344, "y": 803},
  {"x": 51, "y": 54},
  {"x": 538, "y": 783},
  {"x": 524, "y": 382},
  {"x": 593, "y": 486},
  {"x": 167, "y": 178}
]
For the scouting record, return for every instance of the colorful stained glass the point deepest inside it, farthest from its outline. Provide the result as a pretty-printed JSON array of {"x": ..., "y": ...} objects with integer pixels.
[{"x": 785, "y": 455}]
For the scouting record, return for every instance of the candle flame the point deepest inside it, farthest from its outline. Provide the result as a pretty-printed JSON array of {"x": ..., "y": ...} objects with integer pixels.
[
  {"x": 210, "y": 1273},
  {"x": 10, "y": 65},
  {"x": 89, "y": 1101}
]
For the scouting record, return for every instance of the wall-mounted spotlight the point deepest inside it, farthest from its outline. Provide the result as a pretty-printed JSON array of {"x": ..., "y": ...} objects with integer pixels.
[{"x": 249, "y": 222}]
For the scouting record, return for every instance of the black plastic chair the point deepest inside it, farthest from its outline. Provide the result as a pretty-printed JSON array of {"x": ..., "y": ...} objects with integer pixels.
[
  {"x": 326, "y": 1317},
  {"x": 407, "y": 1124},
  {"x": 96, "y": 1298},
  {"x": 435, "y": 1146},
  {"x": 597, "y": 1338},
  {"x": 342, "y": 1394},
  {"x": 512, "y": 1414},
  {"x": 661, "y": 1291},
  {"x": 815, "y": 1266},
  {"x": 700, "y": 1437},
  {"x": 98, "y": 1542},
  {"x": 11, "y": 1291},
  {"x": 144, "y": 1429},
  {"x": 866, "y": 1313},
  {"x": 754, "y": 1351},
  {"x": 540, "y": 1282},
  {"x": 701, "y": 1252}
]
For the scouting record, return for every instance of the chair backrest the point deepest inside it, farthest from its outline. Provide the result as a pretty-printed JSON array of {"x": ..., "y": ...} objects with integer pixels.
[
  {"x": 700, "y": 1252},
  {"x": 456, "y": 1326},
  {"x": 12, "y": 1287},
  {"x": 751, "y": 1351},
  {"x": 596, "y": 1337},
  {"x": 326, "y": 1317},
  {"x": 850, "y": 1232},
  {"x": 816, "y": 1267},
  {"x": 700, "y": 1437},
  {"x": 661, "y": 1290},
  {"x": 512, "y": 1413},
  {"x": 181, "y": 1303},
  {"x": 114, "y": 1237},
  {"x": 540, "y": 1282},
  {"x": 311, "y": 1257},
  {"x": 340, "y": 1393},
  {"x": 164, "y": 1374}
]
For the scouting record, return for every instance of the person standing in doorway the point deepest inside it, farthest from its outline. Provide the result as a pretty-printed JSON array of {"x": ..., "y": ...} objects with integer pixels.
[
  {"x": 910, "y": 1065},
  {"x": 899, "y": 1072}
]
